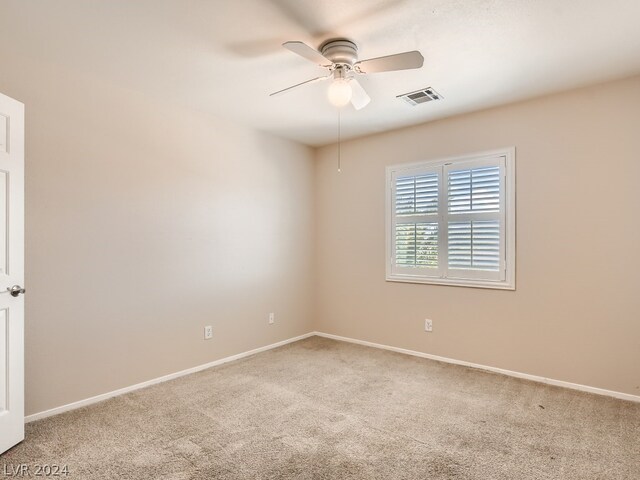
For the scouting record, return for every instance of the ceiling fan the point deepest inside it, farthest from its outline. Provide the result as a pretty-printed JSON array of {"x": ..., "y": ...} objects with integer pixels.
[{"x": 340, "y": 57}]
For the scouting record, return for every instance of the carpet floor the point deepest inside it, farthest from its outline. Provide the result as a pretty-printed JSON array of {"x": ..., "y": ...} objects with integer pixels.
[{"x": 322, "y": 409}]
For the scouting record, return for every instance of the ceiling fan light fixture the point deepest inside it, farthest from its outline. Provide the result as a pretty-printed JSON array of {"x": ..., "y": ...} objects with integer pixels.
[
  {"x": 340, "y": 57},
  {"x": 340, "y": 92}
]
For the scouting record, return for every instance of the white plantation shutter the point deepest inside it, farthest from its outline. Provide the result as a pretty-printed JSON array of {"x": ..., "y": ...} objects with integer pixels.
[
  {"x": 417, "y": 194},
  {"x": 475, "y": 211},
  {"x": 448, "y": 221},
  {"x": 417, "y": 244},
  {"x": 474, "y": 190},
  {"x": 416, "y": 198},
  {"x": 474, "y": 245}
]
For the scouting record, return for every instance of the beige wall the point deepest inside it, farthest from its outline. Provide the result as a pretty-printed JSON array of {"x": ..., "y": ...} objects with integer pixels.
[
  {"x": 575, "y": 315},
  {"x": 144, "y": 223}
]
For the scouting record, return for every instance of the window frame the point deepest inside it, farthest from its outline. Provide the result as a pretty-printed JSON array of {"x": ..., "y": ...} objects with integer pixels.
[{"x": 507, "y": 216}]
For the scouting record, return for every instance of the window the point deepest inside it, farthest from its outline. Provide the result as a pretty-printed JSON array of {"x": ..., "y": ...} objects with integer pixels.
[{"x": 452, "y": 221}]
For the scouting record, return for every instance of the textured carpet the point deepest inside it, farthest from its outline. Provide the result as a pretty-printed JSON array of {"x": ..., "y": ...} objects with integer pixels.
[{"x": 321, "y": 409}]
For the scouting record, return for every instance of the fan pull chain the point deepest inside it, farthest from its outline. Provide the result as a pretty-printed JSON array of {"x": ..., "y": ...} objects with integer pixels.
[{"x": 339, "y": 163}]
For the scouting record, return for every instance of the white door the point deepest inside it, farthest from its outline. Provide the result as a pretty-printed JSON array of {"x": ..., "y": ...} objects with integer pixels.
[{"x": 11, "y": 272}]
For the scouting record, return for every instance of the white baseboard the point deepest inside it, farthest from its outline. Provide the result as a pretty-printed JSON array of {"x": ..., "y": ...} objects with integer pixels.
[
  {"x": 526, "y": 376},
  {"x": 171, "y": 376}
]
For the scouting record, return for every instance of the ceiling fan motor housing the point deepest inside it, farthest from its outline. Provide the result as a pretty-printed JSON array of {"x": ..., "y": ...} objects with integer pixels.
[{"x": 340, "y": 51}]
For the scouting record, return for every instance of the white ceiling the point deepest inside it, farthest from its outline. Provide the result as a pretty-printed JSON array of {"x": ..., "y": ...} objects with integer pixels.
[{"x": 224, "y": 56}]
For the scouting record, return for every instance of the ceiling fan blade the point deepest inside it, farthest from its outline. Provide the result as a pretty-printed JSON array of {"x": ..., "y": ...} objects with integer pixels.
[
  {"x": 313, "y": 80},
  {"x": 307, "y": 52},
  {"x": 359, "y": 97},
  {"x": 399, "y": 61}
]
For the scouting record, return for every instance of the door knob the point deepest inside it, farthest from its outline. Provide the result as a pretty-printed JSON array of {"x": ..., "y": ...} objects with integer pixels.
[{"x": 16, "y": 290}]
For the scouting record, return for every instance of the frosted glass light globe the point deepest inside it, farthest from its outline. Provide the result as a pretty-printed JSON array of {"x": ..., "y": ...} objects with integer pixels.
[{"x": 339, "y": 92}]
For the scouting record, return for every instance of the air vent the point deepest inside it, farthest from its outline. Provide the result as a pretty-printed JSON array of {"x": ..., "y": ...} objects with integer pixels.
[{"x": 420, "y": 96}]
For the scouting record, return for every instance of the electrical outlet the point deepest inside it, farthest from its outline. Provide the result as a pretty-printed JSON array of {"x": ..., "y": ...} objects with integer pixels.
[
  {"x": 272, "y": 318},
  {"x": 208, "y": 332},
  {"x": 428, "y": 325}
]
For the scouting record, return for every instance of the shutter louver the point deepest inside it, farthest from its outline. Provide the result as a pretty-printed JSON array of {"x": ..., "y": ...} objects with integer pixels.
[
  {"x": 474, "y": 245},
  {"x": 474, "y": 190},
  {"x": 416, "y": 244}
]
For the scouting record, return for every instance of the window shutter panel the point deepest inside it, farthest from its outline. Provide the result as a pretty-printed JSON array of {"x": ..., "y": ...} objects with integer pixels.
[
  {"x": 474, "y": 227},
  {"x": 474, "y": 245},
  {"x": 416, "y": 238},
  {"x": 417, "y": 195},
  {"x": 474, "y": 190},
  {"x": 417, "y": 244}
]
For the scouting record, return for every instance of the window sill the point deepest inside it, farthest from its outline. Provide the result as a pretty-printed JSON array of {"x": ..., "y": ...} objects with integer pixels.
[{"x": 452, "y": 282}]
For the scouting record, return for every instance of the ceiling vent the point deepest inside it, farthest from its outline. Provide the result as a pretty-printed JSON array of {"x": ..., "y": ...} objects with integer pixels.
[{"x": 420, "y": 96}]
